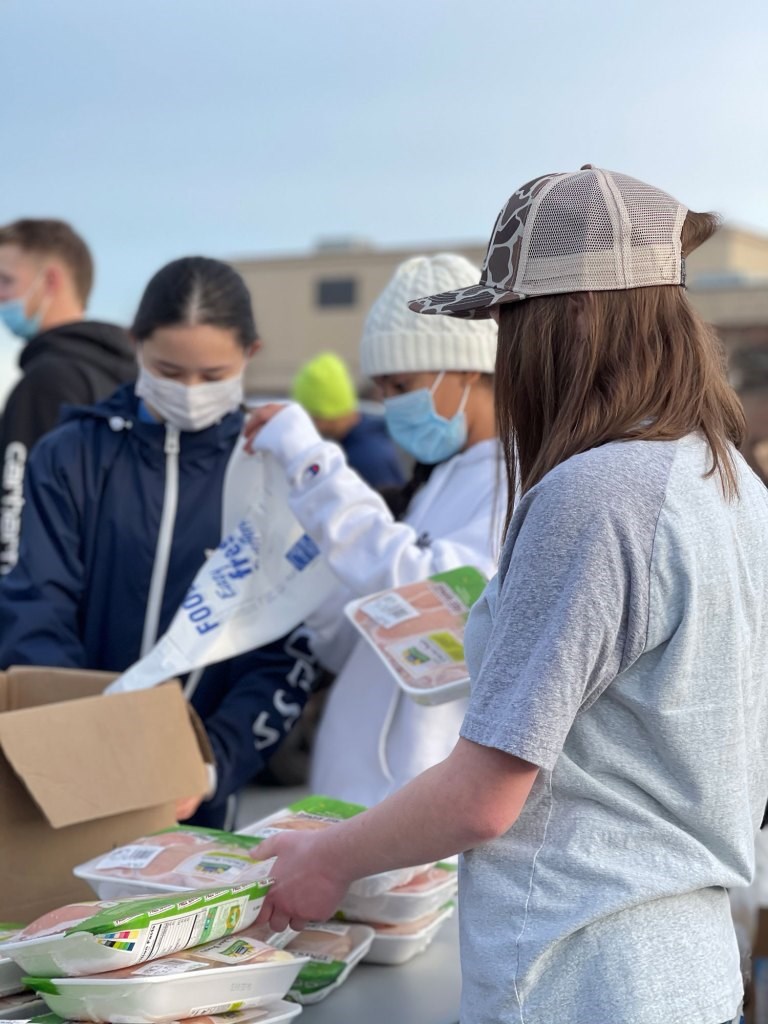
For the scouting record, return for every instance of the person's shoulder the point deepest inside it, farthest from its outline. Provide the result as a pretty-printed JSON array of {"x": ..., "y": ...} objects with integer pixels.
[
  {"x": 621, "y": 480},
  {"x": 68, "y": 442},
  {"x": 53, "y": 374}
]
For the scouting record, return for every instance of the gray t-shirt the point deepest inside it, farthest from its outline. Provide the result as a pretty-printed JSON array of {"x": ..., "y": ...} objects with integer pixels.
[{"x": 623, "y": 648}]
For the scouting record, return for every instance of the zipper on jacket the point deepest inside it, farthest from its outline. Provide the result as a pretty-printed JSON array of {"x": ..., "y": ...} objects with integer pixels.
[{"x": 164, "y": 538}]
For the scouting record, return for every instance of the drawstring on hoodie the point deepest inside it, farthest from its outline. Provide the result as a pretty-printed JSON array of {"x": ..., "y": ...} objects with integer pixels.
[{"x": 164, "y": 539}]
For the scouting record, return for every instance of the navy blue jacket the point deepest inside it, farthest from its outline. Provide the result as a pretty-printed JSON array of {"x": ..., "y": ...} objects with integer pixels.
[
  {"x": 77, "y": 597},
  {"x": 371, "y": 452}
]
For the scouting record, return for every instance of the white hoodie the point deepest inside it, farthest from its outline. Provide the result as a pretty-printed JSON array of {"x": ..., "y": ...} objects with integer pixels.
[{"x": 372, "y": 740}]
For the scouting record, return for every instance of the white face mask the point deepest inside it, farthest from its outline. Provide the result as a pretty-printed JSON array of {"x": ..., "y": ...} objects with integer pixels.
[{"x": 190, "y": 408}]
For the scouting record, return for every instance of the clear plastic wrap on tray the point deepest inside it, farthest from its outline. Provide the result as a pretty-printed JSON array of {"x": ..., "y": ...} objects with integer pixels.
[
  {"x": 92, "y": 938},
  {"x": 424, "y": 894},
  {"x": 334, "y": 950},
  {"x": 417, "y": 630},
  {"x": 174, "y": 860},
  {"x": 398, "y": 943}
]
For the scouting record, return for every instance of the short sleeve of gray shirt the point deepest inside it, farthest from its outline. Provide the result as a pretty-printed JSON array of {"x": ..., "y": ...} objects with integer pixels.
[{"x": 572, "y": 599}]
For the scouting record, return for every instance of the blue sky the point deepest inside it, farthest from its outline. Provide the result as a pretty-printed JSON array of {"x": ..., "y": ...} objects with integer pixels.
[{"x": 226, "y": 127}]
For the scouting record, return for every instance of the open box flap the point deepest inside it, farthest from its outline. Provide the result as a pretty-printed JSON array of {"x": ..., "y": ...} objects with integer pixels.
[{"x": 86, "y": 759}]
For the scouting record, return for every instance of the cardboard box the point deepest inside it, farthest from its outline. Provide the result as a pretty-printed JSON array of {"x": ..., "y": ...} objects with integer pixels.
[{"x": 81, "y": 773}]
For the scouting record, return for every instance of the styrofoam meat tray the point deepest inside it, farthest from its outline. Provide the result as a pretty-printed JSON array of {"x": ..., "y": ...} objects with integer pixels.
[
  {"x": 392, "y": 948},
  {"x": 21, "y": 1006},
  {"x": 277, "y": 1013},
  {"x": 10, "y": 977},
  {"x": 423, "y": 895},
  {"x": 165, "y": 997}
]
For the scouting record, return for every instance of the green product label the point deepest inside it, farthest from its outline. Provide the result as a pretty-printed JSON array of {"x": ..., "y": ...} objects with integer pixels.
[
  {"x": 327, "y": 807},
  {"x": 466, "y": 583},
  {"x": 142, "y": 911},
  {"x": 448, "y": 643},
  {"x": 447, "y": 866},
  {"x": 210, "y": 920},
  {"x": 315, "y": 976},
  {"x": 44, "y": 986}
]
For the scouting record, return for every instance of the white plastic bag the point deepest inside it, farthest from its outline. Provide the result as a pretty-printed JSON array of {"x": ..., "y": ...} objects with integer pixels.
[{"x": 264, "y": 578}]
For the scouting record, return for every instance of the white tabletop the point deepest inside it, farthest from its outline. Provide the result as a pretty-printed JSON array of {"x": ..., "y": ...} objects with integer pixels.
[{"x": 424, "y": 991}]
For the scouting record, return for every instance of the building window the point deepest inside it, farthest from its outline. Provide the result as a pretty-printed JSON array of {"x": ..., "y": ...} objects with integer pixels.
[{"x": 338, "y": 291}]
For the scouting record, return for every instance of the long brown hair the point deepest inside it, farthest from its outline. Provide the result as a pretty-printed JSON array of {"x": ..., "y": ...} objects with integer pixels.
[{"x": 574, "y": 372}]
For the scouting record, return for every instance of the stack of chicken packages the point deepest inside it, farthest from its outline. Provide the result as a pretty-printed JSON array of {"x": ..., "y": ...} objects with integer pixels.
[{"x": 159, "y": 958}]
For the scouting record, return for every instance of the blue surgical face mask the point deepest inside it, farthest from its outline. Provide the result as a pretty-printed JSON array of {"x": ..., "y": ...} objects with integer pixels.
[
  {"x": 13, "y": 315},
  {"x": 415, "y": 425}
]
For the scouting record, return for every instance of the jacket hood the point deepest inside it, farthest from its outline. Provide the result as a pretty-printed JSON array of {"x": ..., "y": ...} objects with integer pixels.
[{"x": 103, "y": 345}]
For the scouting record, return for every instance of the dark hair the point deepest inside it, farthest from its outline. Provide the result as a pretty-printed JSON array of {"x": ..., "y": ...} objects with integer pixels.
[
  {"x": 644, "y": 366},
  {"x": 54, "y": 238},
  {"x": 196, "y": 290}
]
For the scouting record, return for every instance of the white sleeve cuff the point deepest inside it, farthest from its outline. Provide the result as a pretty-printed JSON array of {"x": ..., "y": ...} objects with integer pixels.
[{"x": 288, "y": 435}]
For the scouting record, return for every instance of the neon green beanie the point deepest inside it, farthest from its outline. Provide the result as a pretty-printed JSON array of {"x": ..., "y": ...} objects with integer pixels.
[{"x": 324, "y": 387}]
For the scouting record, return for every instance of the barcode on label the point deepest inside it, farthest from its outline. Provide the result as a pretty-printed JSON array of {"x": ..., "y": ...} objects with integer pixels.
[
  {"x": 389, "y": 610},
  {"x": 129, "y": 857}
]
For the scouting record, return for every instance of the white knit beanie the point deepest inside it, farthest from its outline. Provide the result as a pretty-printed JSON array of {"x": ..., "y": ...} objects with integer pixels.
[{"x": 396, "y": 340}]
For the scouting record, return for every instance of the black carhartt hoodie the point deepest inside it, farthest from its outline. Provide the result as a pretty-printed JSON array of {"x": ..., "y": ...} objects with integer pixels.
[{"x": 77, "y": 363}]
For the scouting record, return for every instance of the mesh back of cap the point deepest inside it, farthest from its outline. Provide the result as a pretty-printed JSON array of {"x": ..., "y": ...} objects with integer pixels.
[{"x": 594, "y": 231}]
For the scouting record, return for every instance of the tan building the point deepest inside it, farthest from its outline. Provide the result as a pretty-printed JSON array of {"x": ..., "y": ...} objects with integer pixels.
[{"x": 310, "y": 303}]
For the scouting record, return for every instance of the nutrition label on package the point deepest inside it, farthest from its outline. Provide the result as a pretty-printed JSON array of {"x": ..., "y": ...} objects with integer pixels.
[{"x": 191, "y": 929}]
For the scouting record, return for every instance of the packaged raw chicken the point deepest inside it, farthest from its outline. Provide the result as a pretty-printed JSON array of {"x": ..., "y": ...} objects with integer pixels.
[
  {"x": 174, "y": 860},
  {"x": 418, "y": 632},
  {"x": 91, "y": 938},
  {"x": 316, "y": 812},
  {"x": 397, "y": 943},
  {"x": 229, "y": 975},
  {"x": 10, "y": 975},
  {"x": 421, "y": 896},
  {"x": 334, "y": 950}
]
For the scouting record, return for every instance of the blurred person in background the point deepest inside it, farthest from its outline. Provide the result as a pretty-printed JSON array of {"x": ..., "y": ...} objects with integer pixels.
[
  {"x": 749, "y": 373},
  {"x": 46, "y": 275},
  {"x": 435, "y": 376},
  {"x": 324, "y": 388},
  {"x": 122, "y": 502}
]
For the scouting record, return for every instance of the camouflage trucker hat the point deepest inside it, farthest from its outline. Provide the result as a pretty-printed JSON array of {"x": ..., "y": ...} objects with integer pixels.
[{"x": 587, "y": 230}]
